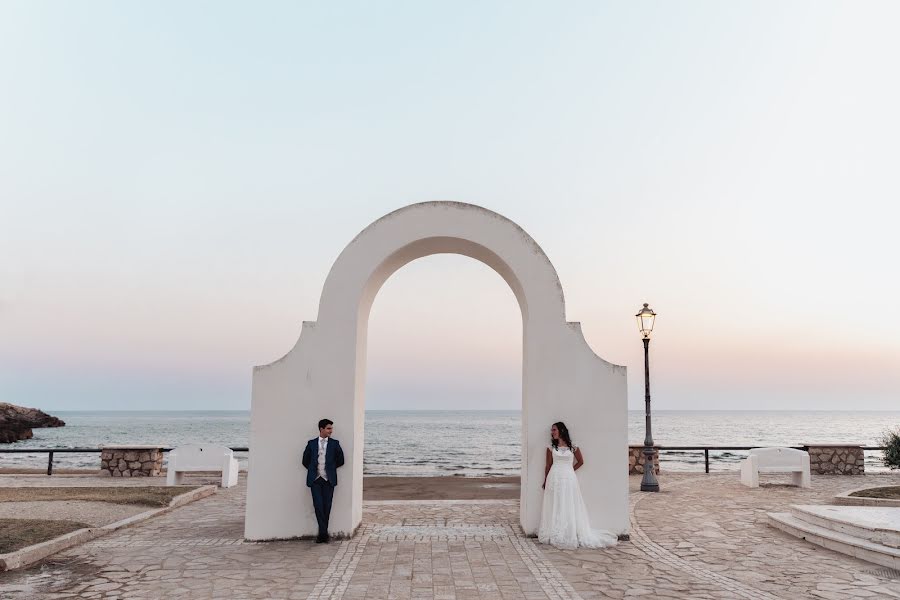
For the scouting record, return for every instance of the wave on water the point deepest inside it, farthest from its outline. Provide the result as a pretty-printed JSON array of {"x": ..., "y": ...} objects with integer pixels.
[{"x": 459, "y": 443}]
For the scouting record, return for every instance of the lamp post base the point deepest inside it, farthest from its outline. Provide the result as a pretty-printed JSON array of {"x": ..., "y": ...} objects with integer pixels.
[
  {"x": 649, "y": 482},
  {"x": 649, "y": 487}
]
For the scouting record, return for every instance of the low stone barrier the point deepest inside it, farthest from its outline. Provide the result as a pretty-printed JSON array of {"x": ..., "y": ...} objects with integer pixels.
[
  {"x": 836, "y": 459},
  {"x": 131, "y": 461},
  {"x": 636, "y": 460},
  {"x": 29, "y": 555},
  {"x": 848, "y": 499}
]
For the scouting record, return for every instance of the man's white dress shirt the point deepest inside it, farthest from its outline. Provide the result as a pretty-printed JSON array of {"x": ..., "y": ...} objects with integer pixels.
[{"x": 323, "y": 445}]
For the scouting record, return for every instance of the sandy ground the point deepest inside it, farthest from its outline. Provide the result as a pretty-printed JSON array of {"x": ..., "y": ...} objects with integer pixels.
[
  {"x": 374, "y": 488},
  {"x": 440, "y": 488},
  {"x": 91, "y": 513},
  {"x": 43, "y": 471}
]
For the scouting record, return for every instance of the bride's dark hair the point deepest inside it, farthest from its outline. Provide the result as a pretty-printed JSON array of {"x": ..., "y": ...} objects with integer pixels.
[{"x": 564, "y": 434}]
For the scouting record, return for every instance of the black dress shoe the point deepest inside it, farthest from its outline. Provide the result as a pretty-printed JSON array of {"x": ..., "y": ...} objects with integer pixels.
[{"x": 320, "y": 539}]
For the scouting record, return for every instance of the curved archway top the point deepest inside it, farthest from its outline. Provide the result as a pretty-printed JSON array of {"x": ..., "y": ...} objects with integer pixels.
[
  {"x": 325, "y": 373},
  {"x": 441, "y": 227}
]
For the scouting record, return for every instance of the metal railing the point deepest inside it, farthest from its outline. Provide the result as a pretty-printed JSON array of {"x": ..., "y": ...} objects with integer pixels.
[
  {"x": 52, "y": 451},
  {"x": 705, "y": 449}
]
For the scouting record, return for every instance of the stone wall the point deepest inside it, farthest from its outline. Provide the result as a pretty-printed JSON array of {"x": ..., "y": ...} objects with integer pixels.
[
  {"x": 836, "y": 459},
  {"x": 131, "y": 461},
  {"x": 636, "y": 460}
]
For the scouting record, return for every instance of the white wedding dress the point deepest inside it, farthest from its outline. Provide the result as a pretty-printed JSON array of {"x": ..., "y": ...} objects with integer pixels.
[{"x": 564, "y": 518}]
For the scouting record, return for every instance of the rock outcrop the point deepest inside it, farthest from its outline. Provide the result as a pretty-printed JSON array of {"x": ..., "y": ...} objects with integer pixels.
[{"x": 16, "y": 422}]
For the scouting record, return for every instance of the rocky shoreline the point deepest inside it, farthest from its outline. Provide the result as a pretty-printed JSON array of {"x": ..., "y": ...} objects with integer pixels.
[{"x": 16, "y": 422}]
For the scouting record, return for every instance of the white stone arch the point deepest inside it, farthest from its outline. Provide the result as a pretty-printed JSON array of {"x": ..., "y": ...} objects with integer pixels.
[{"x": 324, "y": 375}]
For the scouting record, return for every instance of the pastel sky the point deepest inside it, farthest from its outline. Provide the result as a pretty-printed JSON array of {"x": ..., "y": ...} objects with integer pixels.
[{"x": 176, "y": 180}]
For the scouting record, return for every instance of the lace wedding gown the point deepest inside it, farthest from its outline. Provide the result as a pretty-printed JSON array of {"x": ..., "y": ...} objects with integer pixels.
[{"x": 564, "y": 517}]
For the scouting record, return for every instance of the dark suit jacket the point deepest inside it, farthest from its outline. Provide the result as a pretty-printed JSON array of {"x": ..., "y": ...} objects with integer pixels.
[{"x": 334, "y": 458}]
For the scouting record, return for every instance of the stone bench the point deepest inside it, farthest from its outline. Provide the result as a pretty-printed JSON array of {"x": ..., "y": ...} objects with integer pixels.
[
  {"x": 776, "y": 460},
  {"x": 196, "y": 458}
]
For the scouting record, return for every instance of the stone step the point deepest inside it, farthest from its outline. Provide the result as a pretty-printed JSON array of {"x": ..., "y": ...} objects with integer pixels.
[
  {"x": 860, "y": 548},
  {"x": 880, "y": 525}
]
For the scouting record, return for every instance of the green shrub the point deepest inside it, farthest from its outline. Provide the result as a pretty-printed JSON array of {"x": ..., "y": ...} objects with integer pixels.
[{"x": 891, "y": 442}]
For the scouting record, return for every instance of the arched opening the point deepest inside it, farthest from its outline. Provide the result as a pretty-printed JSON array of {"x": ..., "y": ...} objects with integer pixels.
[
  {"x": 325, "y": 374},
  {"x": 443, "y": 394}
]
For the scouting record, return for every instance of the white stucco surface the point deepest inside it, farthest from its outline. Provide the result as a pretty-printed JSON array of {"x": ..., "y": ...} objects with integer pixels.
[{"x": 324, "y": 375}]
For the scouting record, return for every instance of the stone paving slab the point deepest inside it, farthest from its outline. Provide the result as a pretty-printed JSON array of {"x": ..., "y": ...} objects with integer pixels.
[
  {"x": 867, "y": 517},
  {"x": 702, "y": 537}
]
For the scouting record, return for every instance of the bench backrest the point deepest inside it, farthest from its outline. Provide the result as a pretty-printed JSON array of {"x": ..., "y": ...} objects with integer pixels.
[
  {"x": 200, "y": 456},
  {"x": 779, "y": 457}
]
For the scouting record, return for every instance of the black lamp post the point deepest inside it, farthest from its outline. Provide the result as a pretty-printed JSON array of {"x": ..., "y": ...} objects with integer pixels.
[{"x": 645, "y": 318}]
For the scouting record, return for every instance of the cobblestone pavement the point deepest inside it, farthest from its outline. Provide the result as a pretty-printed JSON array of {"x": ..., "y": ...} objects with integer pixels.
[
  {"x": 702, "y": 537},
  {"x": 706, "y": 536}
]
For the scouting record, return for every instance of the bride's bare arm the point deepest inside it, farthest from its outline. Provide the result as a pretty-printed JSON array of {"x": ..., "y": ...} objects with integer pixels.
[
  {"x": 547, "y": 466},
  {"x": 579, "y": 459}
]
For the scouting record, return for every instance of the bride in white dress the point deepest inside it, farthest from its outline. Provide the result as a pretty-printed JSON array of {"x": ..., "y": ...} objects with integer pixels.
[{"x": 564, "y": 517}]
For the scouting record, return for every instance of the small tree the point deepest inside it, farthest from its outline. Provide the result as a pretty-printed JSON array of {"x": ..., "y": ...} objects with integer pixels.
[{"x": 890, "y": 439}]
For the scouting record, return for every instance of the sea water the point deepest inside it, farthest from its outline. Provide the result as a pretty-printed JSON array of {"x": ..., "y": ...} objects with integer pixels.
[{"x": 460, "y": 443}]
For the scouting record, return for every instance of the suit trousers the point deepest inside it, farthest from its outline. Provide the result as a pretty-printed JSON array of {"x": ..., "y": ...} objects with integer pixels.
[{"x": 322, "y": 494}]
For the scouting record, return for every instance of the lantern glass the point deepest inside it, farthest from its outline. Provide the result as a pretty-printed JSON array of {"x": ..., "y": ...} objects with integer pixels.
[{"x": 646, "y": 318}]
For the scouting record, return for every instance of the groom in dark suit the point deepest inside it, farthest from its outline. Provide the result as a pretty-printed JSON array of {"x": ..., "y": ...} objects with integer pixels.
[{"x": 322, "y": 457}]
